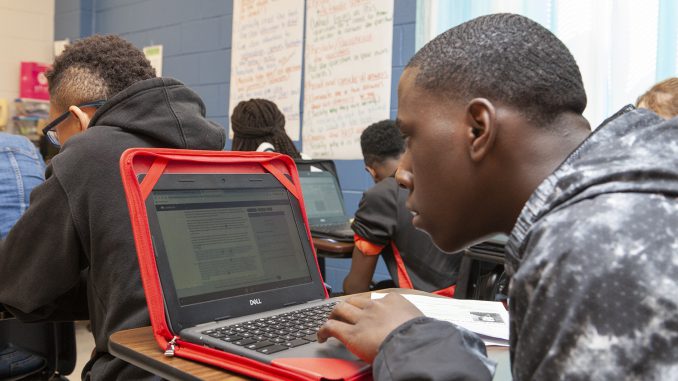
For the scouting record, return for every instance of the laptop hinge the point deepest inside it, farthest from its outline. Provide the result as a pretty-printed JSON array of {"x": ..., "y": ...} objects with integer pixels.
[
  {"x": 171, "y": 346},
  {"x": 223, "y": 318}
]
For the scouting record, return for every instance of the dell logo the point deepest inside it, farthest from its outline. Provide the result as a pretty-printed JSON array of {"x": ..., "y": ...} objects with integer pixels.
[{"x": 255, "y": 301}]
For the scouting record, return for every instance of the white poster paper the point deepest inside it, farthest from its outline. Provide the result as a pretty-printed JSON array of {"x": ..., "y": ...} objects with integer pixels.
[
  {"x": 60, "y": 45},
  {"x": 347, "y": 77},
  {"x": 154, "y": 54},
  {"x": 266, "y": 56},
  {"x": 488, "y": 319}
]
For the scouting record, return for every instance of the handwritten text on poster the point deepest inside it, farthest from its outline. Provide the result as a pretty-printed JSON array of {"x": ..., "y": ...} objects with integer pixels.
[
  {"x": 347, "y": 82},
  {"x": 267, "y": 54}
]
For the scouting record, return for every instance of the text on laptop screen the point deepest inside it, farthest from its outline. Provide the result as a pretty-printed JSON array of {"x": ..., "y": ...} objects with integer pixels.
[
  {"x": 322, "y": 196},
  {"x": 222, "y": 243}
]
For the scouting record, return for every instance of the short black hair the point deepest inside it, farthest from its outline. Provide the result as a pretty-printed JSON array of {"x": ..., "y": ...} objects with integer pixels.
[
  {"x": 505, "y": 58},
  {"x": 381, "y": 141},
  {"x": 96, "y": 67}
]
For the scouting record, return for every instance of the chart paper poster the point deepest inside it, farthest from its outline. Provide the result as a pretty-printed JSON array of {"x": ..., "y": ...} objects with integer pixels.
[
  {"x": 347, "y": 76},
  {"x": 60, "y": 45},
  {"x": 267, "y": 54},
  {"x": 153, "y": 53}
]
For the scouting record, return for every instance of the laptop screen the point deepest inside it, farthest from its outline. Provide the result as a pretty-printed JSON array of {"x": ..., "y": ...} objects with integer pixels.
[
  {"x": 322, "y": 197},
  {"x": 226, "y": 242}
]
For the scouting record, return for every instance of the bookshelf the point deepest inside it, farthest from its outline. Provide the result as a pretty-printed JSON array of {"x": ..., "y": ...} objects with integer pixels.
[{"x": 31, "y": 115}]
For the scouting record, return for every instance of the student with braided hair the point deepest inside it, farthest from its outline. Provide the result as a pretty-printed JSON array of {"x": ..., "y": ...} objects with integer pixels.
[{"x": 257, "y": 124}]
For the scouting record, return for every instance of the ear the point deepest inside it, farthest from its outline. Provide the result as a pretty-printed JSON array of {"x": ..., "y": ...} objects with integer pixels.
[
  {"x": 371, "y": 171},
  {"x": 481, "y": 117},
  {"x": 82, "y": 117}
]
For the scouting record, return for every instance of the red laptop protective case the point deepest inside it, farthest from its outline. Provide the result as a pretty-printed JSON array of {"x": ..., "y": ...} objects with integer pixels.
[{"x": 153, "y": 162}]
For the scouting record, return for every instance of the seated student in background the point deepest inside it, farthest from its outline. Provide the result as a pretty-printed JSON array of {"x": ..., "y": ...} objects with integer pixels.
[
  {"x": 21, "y": 170},
  {"x": 662, "y": 98},
  {"x": 383, "y": 225},
  {"x": 258, "y": 125},
  {"x": 496, "y": 143},
  {"x": 71, "y": 255}
]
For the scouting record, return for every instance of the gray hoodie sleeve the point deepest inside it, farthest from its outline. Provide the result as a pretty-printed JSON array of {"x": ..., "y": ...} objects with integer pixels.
[
  {"x": 429, "y": 349},
  {"x": 595, "y": 296},
  {"x": 44, "y": 246}
]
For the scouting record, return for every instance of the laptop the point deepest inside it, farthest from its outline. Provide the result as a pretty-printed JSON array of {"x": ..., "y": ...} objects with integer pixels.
[
  {"x": 237, "y": 271},
  {"x": 325, "y": 205}
]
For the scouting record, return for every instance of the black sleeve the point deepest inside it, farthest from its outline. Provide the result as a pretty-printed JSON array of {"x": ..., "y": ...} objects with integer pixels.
[
  {"x": 429, "y": 349},
  {"x": 42, "y": 271},
  {"x": 376, "y": 219}
]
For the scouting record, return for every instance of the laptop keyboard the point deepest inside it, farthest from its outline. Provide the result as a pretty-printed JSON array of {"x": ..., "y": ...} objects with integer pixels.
[
  {"x": 343, "y": 228},
  {"x": 275, "y": 333}
]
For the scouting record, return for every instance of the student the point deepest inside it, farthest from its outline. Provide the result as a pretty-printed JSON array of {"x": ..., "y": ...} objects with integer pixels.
[
  {"x": 496, "y": 142},
  {"x": 383, "y": 225},
  {"x": 21, "y": 170},
  {"x": 72, "y": 255},
  {"x": 258, "y": 125},
  {"x": 662, "y": 98}
]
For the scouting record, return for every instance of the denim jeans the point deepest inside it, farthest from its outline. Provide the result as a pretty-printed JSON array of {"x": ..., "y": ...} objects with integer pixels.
[{"x": 21, "y": 170}]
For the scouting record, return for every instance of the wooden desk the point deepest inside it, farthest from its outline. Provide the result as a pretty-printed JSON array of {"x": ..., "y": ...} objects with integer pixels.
[
  {"x": 138, "y": 347},
  {"x": 329, "y": 248}
]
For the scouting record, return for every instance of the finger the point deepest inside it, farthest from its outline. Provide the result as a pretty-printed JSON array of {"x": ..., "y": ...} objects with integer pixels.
[
  {"x": 334, "y": 328},
  {"x": 346, "y": 312},
  {"x": 360, "y": 302},
  {"x": 393, "y": 295}
]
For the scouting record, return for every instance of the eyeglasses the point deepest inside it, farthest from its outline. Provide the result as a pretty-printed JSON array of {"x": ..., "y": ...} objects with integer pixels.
[{"x": 50, "y": 129}]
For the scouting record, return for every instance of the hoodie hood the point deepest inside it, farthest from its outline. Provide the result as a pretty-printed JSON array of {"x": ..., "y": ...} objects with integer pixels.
[
  {"x": 635, "y": 152},
  {"x": 164, "y": 110},
  {"x": 84, "y": 198}
]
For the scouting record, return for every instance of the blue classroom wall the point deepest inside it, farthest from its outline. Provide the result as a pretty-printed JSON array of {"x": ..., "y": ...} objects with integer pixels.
[{"x": 196, "y": 39}]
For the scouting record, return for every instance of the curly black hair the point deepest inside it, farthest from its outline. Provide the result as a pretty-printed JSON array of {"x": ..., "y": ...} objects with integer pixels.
[
  {"x": 96, "y": 67},
  {"x": 381, "y": 141},
  {"x": 505, "y": 58}
]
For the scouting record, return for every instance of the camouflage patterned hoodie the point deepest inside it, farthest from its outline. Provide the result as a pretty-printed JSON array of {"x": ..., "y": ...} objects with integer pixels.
[
  {"x": 594, "y": 260},
  {"x": 594, "y": 264}
]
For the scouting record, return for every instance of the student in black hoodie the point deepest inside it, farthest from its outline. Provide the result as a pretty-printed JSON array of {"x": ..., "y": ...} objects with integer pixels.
[{"x": 71, "y": 255}]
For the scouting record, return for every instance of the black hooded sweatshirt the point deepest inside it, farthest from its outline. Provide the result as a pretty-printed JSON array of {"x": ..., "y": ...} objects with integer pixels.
[{"x": 71, "y": 256}]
